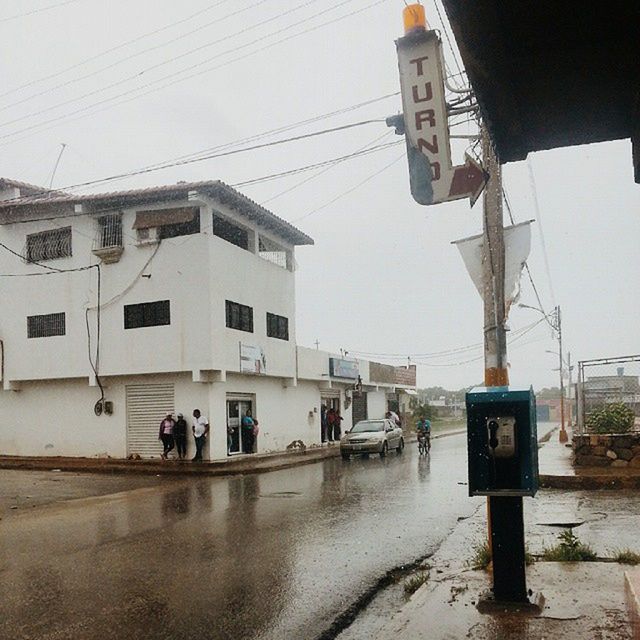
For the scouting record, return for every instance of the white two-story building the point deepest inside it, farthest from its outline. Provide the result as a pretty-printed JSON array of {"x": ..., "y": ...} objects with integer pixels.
[{"x": 120, "y": 307}]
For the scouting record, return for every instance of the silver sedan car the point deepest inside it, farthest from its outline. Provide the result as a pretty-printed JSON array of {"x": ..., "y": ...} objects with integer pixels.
[{"x": 372, "y": 436}]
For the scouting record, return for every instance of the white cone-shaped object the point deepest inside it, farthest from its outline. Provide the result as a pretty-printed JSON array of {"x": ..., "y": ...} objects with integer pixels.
[{"x": 517, "y": 245}]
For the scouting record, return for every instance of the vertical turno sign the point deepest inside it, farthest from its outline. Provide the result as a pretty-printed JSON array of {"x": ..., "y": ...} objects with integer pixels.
[{"x": 432, "y": 177}]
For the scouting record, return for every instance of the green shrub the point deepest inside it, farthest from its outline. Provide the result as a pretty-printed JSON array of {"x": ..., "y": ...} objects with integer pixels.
[
  {"x": 626, "y": 556},
  {"x": 481, "y": 557},
  {"x": 569, "y": 549},
  {"x": 412, "y": 584},
  {"x": 611, "y": 418}
]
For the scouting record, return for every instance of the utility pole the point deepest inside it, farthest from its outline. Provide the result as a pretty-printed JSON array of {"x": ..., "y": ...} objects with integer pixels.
[
  {"x": 563, "y": 433},
  {"x": 505, "y": 513}
]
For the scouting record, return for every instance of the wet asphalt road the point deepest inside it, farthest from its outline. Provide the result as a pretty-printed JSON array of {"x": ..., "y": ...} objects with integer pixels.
[{"x": 276, "y": 555}]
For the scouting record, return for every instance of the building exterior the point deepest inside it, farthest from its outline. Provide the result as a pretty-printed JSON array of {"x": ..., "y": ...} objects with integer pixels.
[{"x": 120, "y": 307}]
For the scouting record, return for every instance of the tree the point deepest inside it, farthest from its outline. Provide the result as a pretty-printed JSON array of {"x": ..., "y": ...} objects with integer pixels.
[{"x": 424, "y": 411}]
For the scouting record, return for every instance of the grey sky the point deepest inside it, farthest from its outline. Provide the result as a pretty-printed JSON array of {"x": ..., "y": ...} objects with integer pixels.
[{"x": 383, "y": 276}]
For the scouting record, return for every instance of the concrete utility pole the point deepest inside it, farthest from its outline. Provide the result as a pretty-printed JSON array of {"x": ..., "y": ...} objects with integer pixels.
[
  {"x": 563, "y": 433},
  {"x": 506, "y": 521}
]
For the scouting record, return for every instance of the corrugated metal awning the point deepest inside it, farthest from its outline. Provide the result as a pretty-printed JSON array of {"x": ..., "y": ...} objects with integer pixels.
[{"x": 160, "y": 217}]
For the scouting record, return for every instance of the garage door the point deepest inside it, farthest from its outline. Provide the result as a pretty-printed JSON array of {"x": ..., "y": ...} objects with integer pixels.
[{"x": 147, "y": 405}]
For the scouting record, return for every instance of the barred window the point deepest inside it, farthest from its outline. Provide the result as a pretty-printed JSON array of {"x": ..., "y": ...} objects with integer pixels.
[
  {"x": 277, "y": 326},
  {"x": 147, "y": 314},
  {"x": 48, "y": 245},
  {"x": 110, "y": 231},
  {"x": 239, "y": 316},
  {"x": 45, "y": 326}
]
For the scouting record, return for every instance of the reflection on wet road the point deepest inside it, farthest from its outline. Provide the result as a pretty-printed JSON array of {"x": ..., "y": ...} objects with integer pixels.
[{"x": 276, "y": 555}]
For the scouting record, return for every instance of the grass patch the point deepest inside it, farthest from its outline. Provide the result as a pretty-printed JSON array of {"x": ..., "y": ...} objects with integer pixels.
[
  {"x": 569, "y": 549},
  {"x": 412, "y": 584},
  {"x": 626, "y": 556},
  {"x": 481, "y": 557}
]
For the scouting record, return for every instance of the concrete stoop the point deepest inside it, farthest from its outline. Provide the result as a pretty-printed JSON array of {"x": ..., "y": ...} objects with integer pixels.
[{"x": 632, "y": 592}]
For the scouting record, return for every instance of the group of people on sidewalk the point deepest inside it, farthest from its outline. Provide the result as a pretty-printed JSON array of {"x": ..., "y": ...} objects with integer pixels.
[
  {"x": 173, "y": 433},
  {"x": 330, "y": 424}
]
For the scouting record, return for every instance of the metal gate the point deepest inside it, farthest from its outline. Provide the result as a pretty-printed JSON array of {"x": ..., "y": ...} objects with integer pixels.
[
  {"x": 147, "y": 405},
  {"x": 359, "y": 407}
]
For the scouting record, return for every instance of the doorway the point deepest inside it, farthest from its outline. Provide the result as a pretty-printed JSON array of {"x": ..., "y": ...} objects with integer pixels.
[
  {"x": 236, "y": 409},
  {"x": 359, "y": 407}
]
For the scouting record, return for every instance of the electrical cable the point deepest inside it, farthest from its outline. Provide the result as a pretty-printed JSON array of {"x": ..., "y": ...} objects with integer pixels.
[
  {"x": 112, "y": 49},
  {"x": 173, "y": 59},
  {"x": 125, "y": 59},
  {"x": 322, "y": 171},
  {"x": 40, "y": 10},
  {"x": 69, "y": 117},
  {"x": 446, "y": 35},
  {"x": 352, "y": 189},
  {"x": 128, "y": 174},
  {"x": 532, "y": 183}
]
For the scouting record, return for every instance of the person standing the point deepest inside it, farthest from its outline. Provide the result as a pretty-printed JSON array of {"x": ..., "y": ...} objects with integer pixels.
[
  {"x": 248, "y": 424},
  {"x": 323, "y": 423},
  {"x": 180, "y": 436},
  {"x": 331, "y": 420},
  {"x": 166, "y": 434},
  {"x": 337, "y": 426},
  {"x": 200, "y": 430}
]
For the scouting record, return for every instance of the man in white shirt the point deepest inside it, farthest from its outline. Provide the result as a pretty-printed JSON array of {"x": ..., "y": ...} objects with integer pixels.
[{"x": 200, "y": 430}]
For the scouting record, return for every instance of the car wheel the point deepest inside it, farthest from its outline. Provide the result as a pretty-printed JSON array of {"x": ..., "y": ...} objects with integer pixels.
[
  {"x": 385, "y": 448},
  {"x": 400, "y": 446}
]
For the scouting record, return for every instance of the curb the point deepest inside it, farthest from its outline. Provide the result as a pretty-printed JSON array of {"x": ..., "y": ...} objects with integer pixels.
[
  {"x": 257, "y": 463},
  {"x": 589, "y": 482}
]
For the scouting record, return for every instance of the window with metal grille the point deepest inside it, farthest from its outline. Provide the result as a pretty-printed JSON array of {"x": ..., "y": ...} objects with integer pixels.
[
  {"x": 277, "y": 326},
  {"x": 110, "y": 231},
  {"x": 230, "y": 232},
  {"x": 239, "y": 316},
  {"x": 47, "y": 325},
  {"x": 147, "y": 314},
  {"x": 48, "y": 245}
]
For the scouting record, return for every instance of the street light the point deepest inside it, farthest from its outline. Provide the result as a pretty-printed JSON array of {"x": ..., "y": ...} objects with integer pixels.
[{"x": 555, "y": 322}]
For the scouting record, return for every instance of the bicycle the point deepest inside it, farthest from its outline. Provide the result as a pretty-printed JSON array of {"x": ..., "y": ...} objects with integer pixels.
[{"x": 424, "y": 444}]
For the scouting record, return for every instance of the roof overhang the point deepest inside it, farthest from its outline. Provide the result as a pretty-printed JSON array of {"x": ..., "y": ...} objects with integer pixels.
[{"x": 552, "y": 74}]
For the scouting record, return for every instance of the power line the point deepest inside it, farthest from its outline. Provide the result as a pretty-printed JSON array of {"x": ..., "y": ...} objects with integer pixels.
[
  {"x": 223, "y": 154},
  {"x": 69, "y": 117},
  {"x": 112, "y": 49},
  {"x": 348, "y": 191},
  {"x": 446, "y": 35},
  {"x": 118, "y": 62},
  {"x": 173, "y": 59},
  {"x": 40, "y": 10}
]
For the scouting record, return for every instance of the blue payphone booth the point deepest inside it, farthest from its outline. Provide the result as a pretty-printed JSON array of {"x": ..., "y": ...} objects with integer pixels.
[{"x": 502, "y": 442}]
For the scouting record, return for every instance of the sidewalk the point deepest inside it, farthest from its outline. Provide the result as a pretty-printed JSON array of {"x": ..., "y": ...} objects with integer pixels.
[
  {"x": 582, "y": 600},
  {"x": 239, "y": 464},
  {"x": 557, "y": 471}
]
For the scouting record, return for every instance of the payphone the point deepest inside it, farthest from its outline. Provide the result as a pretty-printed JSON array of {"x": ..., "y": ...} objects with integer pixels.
[{"x": 502, "y": 441}]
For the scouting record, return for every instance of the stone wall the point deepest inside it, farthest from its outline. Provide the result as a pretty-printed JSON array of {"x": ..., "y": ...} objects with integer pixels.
[{"x": 607, "y": 450}]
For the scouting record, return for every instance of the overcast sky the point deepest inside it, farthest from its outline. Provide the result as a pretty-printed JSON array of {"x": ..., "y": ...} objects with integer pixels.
[{"x": 382, "y": 277}]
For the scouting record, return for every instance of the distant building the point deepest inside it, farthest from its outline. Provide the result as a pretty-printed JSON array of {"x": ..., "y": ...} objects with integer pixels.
[
  {"x": 193, "y": 306},
  {"x": 606, "y": 389}
]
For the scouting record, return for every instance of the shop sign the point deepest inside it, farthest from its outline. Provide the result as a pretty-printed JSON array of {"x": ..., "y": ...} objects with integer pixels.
[
  {"x": 339, "y": 368},
  {"x": 406, "y": 375},
  {"x": 252, "y": 359}
]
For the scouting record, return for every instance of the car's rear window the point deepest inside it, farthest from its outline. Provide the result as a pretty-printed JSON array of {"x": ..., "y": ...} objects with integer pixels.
[{"x": 368, "y": 425}]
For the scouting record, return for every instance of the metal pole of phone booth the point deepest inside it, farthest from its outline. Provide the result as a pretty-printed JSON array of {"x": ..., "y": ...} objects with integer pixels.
[{"x": 505, "y": 513}]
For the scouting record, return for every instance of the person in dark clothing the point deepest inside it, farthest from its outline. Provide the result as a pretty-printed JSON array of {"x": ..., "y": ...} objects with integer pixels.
[
  {"x": 180, "y": 436},
  {"x": 331, "y": 420},
  {"x": 323, "y": 423},
  {"x": 337, "y": 426},
  {"x": 248, "y": 437},
  {"x": 166, "y": 435}
]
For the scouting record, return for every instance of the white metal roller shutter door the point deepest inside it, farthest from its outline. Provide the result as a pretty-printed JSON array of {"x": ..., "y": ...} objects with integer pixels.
[{"x": 147, "y": 405}]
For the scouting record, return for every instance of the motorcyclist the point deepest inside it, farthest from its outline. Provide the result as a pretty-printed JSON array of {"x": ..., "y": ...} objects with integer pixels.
[{"x": 423, "y": 427}]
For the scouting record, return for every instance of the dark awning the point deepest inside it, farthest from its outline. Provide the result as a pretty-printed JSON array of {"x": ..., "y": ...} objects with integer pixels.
[
  {"x": 551, "y": 74},
  {"x": 160, "y": 217}
]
